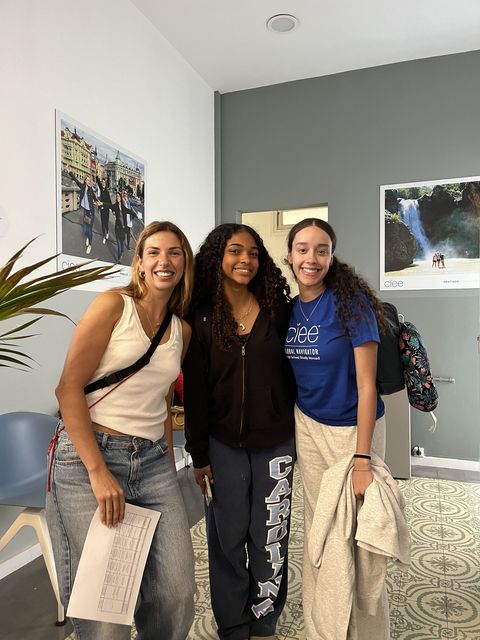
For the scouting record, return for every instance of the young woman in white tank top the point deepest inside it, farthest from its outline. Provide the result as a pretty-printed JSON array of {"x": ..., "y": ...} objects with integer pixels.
[{"x": 117, "y": 445}]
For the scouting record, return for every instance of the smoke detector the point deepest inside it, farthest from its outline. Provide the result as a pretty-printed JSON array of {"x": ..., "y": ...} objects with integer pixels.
[{"x": 282, "y": 23}]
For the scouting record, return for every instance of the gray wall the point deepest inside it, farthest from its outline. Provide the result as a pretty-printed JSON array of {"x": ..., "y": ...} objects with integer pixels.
[{"x": 336, "y": 139}]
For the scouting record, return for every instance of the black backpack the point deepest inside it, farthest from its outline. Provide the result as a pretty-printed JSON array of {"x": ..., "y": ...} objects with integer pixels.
[
  {"x": 403, "y": 361},
  {"x": 390, "y": 376}
]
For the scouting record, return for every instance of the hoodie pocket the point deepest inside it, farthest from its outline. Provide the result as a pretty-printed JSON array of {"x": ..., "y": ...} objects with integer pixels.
[{"x": 263, "y": 408}]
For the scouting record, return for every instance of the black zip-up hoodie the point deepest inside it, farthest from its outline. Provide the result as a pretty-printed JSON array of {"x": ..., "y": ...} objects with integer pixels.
[{"x": 243, "y": 397}]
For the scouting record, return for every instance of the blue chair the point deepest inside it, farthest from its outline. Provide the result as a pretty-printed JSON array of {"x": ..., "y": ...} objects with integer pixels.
[{"x": 24, "y": 438}]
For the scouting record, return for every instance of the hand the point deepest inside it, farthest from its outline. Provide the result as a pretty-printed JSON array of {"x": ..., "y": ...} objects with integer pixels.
[
  {"x": 362, "y": 477},
  {"x": 109, "y": 495},
  {"x": 200, "y": 473}
]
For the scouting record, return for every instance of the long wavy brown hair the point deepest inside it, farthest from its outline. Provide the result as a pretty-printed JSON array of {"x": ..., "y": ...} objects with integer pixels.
[
  {"x": 181, "y": 295},
  {"x": 349, "y": 288},
  {"x": 269, "y": 286}
]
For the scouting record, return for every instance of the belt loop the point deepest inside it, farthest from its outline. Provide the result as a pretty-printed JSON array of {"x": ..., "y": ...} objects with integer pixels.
[
  {"x": 163, "y": 445},
  {"x": 104, "y": 440}
]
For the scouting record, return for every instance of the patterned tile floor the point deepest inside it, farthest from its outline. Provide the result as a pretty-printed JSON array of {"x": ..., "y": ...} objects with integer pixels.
[{"x": 438, "y": 597}]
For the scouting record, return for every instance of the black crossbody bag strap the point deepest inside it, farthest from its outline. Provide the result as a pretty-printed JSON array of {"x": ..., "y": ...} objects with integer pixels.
[{"x": 118, "y": 376}]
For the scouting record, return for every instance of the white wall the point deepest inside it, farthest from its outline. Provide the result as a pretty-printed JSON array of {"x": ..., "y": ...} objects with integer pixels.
[{"x": 102, "y": 63}]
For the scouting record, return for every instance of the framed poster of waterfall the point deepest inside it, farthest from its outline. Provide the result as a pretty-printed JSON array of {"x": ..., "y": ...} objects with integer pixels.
[{"x": 430, "y": 235}]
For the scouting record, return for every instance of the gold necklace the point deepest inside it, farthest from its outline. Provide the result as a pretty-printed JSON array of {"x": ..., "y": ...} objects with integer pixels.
[
  {"x": 153, "y": 332},
  {"x": 238, "y": 320}
]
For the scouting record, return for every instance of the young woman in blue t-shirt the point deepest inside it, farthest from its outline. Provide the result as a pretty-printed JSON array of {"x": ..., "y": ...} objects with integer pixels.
[{"x": 332, "y": 344}]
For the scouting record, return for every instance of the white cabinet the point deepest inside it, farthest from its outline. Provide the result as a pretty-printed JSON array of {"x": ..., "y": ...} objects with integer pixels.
[{"x": 397, "y": 417}]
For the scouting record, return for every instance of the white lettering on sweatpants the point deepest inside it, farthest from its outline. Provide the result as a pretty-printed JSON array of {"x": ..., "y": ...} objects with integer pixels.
[{"x": 278, "y": 507}]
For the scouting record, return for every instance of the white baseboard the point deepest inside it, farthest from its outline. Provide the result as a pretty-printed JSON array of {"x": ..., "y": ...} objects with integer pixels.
[
  {"x": 183, "y": 462},
  {"x": 445, "y": 463},
  {"x": 20, "y": 560}
]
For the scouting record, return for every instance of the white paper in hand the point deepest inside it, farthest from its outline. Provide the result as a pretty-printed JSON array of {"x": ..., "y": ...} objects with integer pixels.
[{"x": 111, "y": 567}]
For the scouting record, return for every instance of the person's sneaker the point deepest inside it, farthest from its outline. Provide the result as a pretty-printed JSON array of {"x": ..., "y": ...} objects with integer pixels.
[
  {"x": 89, "y": 248},
  {"x": 107, "y": 235},
  {"x": 86, "y": 242},
  {"x": 104, "y": 240}
]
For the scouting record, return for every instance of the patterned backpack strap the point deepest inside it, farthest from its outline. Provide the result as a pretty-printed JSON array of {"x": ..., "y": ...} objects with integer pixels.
[{"x": 421, "y": 390}]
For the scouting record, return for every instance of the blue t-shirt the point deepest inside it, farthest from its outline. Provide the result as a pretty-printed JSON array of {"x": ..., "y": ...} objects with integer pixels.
[{"x": 321, "y": 355}]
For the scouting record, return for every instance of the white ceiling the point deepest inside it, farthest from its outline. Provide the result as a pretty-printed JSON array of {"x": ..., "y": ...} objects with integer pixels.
[{"x": 227, "y": 43}]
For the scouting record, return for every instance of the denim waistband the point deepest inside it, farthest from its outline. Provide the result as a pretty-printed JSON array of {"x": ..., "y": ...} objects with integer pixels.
[{"x": 114, "y": 441}]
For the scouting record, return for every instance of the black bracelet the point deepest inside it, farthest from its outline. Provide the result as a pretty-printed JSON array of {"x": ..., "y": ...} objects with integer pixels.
[{"x": 362, "y": 455}]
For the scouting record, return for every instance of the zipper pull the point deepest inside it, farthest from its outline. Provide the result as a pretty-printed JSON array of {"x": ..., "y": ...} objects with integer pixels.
[{"x": 243, "y": 350}]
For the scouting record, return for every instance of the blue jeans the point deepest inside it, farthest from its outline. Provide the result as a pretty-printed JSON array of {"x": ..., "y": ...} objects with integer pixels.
[
  {"x": 87, "y": 228},
  {"x": 144, "y": 470}
]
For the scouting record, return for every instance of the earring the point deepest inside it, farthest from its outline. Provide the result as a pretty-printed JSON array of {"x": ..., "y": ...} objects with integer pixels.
[{"x": 142, "y": 275}]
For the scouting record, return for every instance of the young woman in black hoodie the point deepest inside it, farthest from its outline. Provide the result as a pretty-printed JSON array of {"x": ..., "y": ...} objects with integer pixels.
[{"x": 239, "y": 399}]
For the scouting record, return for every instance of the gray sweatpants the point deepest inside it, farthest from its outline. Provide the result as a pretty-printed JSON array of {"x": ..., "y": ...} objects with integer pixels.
[{"x": 319, "y": 447}]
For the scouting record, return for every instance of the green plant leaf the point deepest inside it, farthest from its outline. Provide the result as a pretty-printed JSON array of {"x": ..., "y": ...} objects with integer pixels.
[
  {"x": 19, "y": 328},
  {"x": 15, "y": 353},
  {"x": 13, "y": 361},
  {"x": 15, "y": 338},
  {"x": 11, "y": 366},
  {"x": 48, "y": 312},
  {"x": 77, "y": 268},
  {"x": 66, "y": 276},
  {"x": 8, "y": 284},
  {"x": 18, "y": 296},
  {"x": 8, "y": 266}
]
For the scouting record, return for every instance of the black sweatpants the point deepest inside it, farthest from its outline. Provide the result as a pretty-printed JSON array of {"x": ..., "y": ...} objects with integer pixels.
[{"x": 248, "y": 523}]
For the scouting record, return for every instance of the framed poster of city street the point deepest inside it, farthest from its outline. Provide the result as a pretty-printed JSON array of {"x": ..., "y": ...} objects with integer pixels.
[
  {"x": 430, "y": 235},
  {"x": 100, "y": 199}
]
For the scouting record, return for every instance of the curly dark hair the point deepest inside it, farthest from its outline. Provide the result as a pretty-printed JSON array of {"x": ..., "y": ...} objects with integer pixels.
[
  {"x": 347, "y": 286},
  {"x": 269, "y": 286}
]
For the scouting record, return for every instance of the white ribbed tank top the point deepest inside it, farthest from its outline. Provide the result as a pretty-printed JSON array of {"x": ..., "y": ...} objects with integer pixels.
[{"x": 138, "y": 406}]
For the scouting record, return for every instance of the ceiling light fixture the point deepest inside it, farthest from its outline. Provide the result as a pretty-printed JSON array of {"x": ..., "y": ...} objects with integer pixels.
[{"x": 282, "y": 23}]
